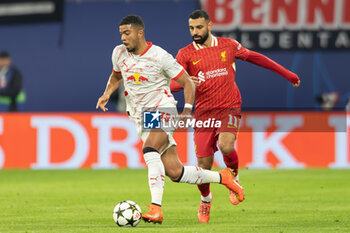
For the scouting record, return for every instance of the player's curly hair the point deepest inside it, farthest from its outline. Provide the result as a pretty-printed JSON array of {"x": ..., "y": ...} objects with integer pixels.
[
  {"x": 133, "y": 20},
  {"x": 199, "y": 14}
]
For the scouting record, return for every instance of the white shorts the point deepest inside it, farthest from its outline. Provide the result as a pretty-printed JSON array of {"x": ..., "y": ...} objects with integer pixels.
[{"x": 143, "y": 134}]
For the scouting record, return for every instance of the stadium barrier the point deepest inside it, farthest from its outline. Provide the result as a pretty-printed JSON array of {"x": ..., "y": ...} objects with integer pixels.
[{"x": 108, "y": 141}]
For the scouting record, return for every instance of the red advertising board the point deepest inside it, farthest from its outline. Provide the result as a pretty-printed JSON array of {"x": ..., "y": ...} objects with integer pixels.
[
  {"x": 106, "y": 140},
  {"x": 282, "y": 24}
]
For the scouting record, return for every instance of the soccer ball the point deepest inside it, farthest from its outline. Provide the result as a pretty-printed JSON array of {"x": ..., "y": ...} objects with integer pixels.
[{"x": 127, "y": 214}]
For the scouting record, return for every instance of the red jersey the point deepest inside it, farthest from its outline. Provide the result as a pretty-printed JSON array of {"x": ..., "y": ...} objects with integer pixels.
[{"x": 215, "y": 69}]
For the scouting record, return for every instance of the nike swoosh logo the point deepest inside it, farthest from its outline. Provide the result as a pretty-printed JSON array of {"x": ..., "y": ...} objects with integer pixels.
[{"x": 195, "y": 62}]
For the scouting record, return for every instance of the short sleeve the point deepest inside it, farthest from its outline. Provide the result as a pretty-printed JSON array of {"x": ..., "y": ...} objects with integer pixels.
[
  {"x": 115, "y": 56},
  {"x": 181, "y": 59},
  {"x": 239, "y": 51},
  {"x": 171, "y": 67}
]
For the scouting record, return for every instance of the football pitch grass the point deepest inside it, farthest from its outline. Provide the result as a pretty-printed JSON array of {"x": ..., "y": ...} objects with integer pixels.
[{"x": 312, "y": 200}]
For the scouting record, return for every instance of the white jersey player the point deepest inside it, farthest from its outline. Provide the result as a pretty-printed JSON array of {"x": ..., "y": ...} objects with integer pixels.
[
  {"x": 146, "y": 70},
  {"x": 146, "y": 79}
]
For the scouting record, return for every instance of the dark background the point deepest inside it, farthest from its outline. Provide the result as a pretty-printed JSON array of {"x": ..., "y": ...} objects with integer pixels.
[{"x": 65, "y": 65}]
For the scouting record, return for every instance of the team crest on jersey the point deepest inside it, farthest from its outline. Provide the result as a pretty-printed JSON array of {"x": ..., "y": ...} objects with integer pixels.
[
  {"x": 223, "y": 56},
  {"x": 148, "y": 67},
  {"x": 137, "y": 78}
]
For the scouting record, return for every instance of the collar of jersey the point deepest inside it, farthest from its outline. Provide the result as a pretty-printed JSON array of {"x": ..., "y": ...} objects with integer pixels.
[
  {"x": 214, "y": 42},
  {"x": 148, "y": 47}
]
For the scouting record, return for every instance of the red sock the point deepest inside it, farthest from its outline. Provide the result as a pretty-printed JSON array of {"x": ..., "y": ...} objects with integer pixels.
[
  {"x": 204, "y": 189},
  {"x": 231, "y": 161}
]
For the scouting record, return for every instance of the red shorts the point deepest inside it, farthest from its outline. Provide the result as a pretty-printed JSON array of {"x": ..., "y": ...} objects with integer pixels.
[{"x": 205, "y": 139}]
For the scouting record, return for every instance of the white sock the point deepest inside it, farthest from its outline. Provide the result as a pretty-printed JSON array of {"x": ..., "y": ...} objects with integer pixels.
[
  {"x": 156, "y": 176},
  {"x": 197, "y": 175},
  {"x": 207, "y": 198}
]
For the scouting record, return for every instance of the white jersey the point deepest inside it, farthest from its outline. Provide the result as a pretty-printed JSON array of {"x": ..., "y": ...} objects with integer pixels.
[{"x": 146, "y": 78}]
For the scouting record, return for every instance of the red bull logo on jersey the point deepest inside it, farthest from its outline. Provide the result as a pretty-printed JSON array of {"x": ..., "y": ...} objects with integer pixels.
[{"x": 137, "y": 78}]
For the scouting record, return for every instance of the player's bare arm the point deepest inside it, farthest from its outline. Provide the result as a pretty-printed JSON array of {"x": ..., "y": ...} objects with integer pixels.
[
  {"x": 114, "y": 81},
  {"x": 175, "y": 87},
  {"x": 189, "y": 92},
  {"x": 195, "y": 80}
]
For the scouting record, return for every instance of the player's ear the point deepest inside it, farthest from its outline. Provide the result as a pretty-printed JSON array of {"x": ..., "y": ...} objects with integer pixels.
[
  {"x": 141, "y": 32},
  {"x": 210, "y": 25}
]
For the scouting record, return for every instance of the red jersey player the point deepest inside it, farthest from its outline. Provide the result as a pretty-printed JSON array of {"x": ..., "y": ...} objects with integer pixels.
[{"x": 212, "y": 61}]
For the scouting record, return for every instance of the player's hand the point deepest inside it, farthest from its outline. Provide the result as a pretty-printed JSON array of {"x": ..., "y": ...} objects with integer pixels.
[
  {"x": 195, "y": 80},
  {"x": 297, "y": 84},
  {"x": 101, "y": 103}
]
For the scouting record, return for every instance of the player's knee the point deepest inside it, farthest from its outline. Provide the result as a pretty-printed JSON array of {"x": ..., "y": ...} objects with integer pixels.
[
  {"x": 204, "y": 164},
  {"x": 151, "y": 145},
  {"x": 149, "y": 149},
  {"x": 226, "y": 148},
  {"x": 175, "y": 173}
]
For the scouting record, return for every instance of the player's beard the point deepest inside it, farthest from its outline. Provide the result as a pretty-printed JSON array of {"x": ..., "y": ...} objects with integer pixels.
[
  {"x": 202, "y": 38},
  {"x": 131, "y": 50}
]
